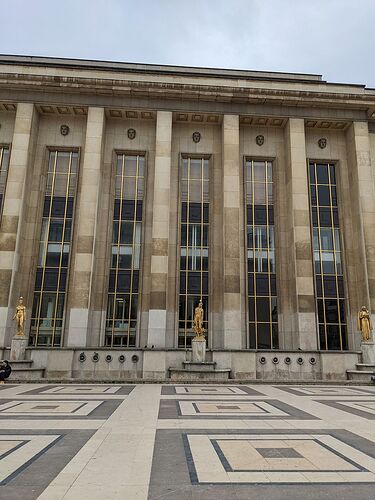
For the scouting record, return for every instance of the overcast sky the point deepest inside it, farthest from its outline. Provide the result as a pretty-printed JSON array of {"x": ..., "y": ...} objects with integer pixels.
[{"x": 334, "y": 38}]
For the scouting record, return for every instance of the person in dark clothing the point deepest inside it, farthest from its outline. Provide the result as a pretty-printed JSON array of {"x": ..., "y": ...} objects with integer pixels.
[{"x": 5, "y": 370}]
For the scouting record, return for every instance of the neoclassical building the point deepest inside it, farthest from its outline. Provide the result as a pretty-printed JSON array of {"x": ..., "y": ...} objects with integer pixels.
[{"x": 130, "y": 192}]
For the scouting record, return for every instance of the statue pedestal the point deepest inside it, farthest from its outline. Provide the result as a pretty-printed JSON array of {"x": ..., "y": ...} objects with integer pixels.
[
  {"x": 368, "y": 352},
  {"x": 18, "y": 348},
  {"x": 198, "y": 347}
]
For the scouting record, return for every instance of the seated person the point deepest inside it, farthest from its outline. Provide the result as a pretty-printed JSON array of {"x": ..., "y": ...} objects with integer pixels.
[{"x": 5, "y": 370}]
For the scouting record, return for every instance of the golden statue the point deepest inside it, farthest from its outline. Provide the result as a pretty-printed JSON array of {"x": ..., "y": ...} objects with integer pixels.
[
  {"x": 20, "y": 317},
  {"x": 198, "y": 321},
  {"x": 364, "y": 324}
]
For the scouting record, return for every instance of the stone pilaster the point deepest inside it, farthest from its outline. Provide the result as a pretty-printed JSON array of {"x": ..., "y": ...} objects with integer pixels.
[
  {"x": 233, "y": 236},
  {"x": 84, "y": 233},
  {"x": 362, "y": 198},
  {"x": 157, "y": 318},
  {"x": 302, "y": 327},
  {"x": 13, "y": 217}
]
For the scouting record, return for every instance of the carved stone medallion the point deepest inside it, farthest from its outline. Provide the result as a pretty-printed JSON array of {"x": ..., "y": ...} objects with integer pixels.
[
  {"x": 131, "y": 133},
  {"x": 196, "y": 136},
  {"x": 259, "y": 139},
  {"x": 64, "y": 129},
  {"x": 322, "y": 142}
]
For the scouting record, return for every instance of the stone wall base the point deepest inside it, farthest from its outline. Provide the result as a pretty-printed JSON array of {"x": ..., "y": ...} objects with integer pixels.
[{"x": 153, "y": 364}]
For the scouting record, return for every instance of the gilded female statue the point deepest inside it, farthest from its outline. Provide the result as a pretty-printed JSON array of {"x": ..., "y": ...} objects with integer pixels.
[
  {"x": 364, "y": 324},
  {"x": 20, "y": 317},
  {"x": 198, "y": 321}
]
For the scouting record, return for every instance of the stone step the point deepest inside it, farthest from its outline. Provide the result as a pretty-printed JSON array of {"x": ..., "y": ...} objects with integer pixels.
[
  {"x": 207, "y": 376},
  {"x": 207, "y": 366},
  {"x": 365, "y": 366},
  {"x": 21, "y": 365},
  {"x": 26, "y": 374},
  {"x": 360, "y": 375},
  {"x": 23, "y": 370}
]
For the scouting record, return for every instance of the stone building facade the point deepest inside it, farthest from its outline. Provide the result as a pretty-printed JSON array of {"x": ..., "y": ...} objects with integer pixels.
[{"x": 130, "y": 192}]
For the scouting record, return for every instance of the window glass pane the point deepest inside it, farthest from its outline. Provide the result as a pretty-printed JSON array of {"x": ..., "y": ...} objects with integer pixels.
[
  {"x": 315, "y": 239},
  {"x": 328, "y": 263},
  {"x": 269, "y": 172},
  {"x": 130, "y": 166},
  {"x": 263, "y": 309},
  {"x": 250, "y": 233},
  {"x": 324, "y": 196},
  {"x": 326, "y": 238},
  {"x": 337, "y": 239},
  {"x": 329, "y": 287},
  {"x": 123, "y": 288},
  {"x": 194, "y": 261},
  {"x": 264, "y": 335},
  {"x": 249, "y": 170},
  {"x": 260, "y": 194},
  {"x": 63, "y": 162},
  {"x": 195, "y": 191},
  {"x": 56, "y": 230},
  {"x": 338, "y": 263},
  {"x": 259, "y": 172},
  {"x": 263, "y": 331},
  {"x": 126, "y": 232},
  {"x": 195, "y": 169},
  {"x": 129, "y": 188},
  {"x": 322, "y": 174},
  {"x": 61, "y": 185}
]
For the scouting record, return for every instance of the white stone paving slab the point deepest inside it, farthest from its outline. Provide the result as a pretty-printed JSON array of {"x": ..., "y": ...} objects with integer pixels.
[{"x": 118, "y": 456}]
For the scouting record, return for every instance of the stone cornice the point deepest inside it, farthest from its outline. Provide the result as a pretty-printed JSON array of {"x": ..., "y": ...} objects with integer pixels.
[{"x": 363, "y": 99}]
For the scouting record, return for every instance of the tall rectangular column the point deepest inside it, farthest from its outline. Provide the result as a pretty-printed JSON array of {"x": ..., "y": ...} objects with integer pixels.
[
  {"x": 13, "y": 216},
  {"x": 83, "y": 261},
  {"x": 302, "y": 327},
  {"x": 160, "y": 231},
  {"x": 361, "y": 262},
  {"x": 233, "y": 236}
]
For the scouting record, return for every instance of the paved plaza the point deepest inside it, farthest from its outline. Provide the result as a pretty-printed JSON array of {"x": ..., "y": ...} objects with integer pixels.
[{"x": 186, "y": 442}]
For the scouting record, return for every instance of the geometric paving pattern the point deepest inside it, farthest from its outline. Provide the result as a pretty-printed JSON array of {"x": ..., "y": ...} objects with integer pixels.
[
  {"x": 364, "y": 409},
  {"x": 56, "y": 409},
  {"x": 16, "y": 450},
  {"x": 229, "y": 408},
  {"x": 207, "y": 390},
  {"x": 328, "y": 391},
  {"x": 186, "y": 442},
  {"x": 48, "y": 408},
  {"x": 277, "y": 458},
  {"x": 82, "y": 390}
]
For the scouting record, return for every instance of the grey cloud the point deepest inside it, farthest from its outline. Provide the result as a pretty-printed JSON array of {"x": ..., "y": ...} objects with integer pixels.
[{"x": 330, "y": 37}]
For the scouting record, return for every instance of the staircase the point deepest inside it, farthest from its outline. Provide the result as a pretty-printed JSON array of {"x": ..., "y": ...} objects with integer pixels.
[
  {"x": 206, "y": 371},
  {"x": 23, "y": 370},
  {"x": 363, "y": 373}
]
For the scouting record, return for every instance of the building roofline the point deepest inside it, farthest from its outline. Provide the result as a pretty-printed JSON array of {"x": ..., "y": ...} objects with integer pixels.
[{"x": 92, "y": 64}]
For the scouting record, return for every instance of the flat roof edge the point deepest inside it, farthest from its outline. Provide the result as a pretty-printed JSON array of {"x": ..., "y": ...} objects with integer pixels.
[{"x": 156, "y": 68}]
